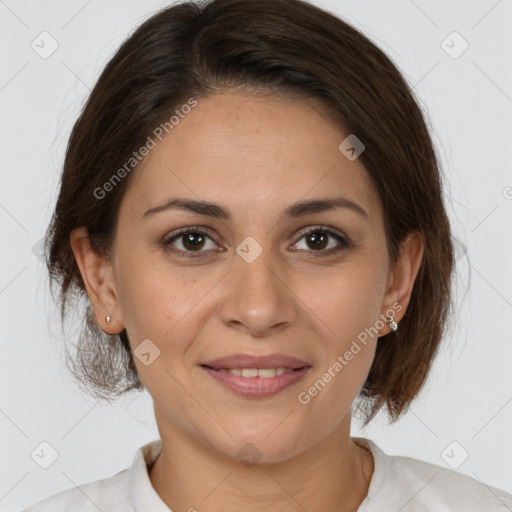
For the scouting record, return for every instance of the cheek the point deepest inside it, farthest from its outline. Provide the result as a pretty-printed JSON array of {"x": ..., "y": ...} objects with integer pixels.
[
  {"x": 155, "y": 297},
  {"x": 345, "y": 310},
  {"x": 344, "y": 303},
  {"x": 328, "y": 400},
  {"x": 348, "y": 350},
  {"x": 167, "y": 307}
]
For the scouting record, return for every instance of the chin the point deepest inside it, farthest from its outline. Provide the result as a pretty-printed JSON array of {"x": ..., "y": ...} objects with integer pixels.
[{"x": 260, "y": 447}]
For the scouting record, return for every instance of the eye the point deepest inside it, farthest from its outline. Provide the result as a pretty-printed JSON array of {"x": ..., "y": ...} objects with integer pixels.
[
  {"x": 191, "y": 240},
  {"x": 317, "y": 237}
]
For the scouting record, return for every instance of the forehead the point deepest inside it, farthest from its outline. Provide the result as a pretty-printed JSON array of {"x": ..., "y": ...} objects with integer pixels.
[{"x": 251, "y": 153}]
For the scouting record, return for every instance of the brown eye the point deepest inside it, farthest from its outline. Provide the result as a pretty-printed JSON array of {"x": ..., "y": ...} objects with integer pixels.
[
  {"x": 318, "y": 240},
  {"x": 188, "y": 241},
  {"x": 193, "y": 241}
]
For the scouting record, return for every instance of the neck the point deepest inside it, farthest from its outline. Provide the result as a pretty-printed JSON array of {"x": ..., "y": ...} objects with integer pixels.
[{"x": 333, "y": 475}]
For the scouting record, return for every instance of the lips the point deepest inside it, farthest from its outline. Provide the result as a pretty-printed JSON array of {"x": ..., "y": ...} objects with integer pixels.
[
  {"x": 256, "y": 387},
  {"x": 256, "y": 376},
  {"x": 260, "y": 362}
]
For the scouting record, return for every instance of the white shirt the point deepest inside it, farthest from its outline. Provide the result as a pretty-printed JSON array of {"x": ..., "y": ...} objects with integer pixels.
[{"x": 398, "y": 484}]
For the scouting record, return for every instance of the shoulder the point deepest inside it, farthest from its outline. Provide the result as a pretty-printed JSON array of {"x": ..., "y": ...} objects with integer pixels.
[
  {"x": 122, "y": 492},
  {"x": 431, "y": 485},
  {"x": 412, "y": 485},
  {"x": 110, "y": 493}
]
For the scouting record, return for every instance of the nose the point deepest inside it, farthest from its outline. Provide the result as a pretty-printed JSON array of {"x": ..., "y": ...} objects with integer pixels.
[{"x": 258, "y": 299}]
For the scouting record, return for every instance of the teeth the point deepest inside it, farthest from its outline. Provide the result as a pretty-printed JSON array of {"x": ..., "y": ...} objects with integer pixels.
[{"x": 265, "y": 373}]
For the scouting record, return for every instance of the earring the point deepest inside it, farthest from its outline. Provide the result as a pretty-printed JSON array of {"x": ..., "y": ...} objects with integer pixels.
[
  {"x": 107, "y": 319},
  {"x": 392, "y": 324}
]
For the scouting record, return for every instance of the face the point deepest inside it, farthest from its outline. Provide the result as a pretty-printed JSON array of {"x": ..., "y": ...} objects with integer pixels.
[{"x": 191, "y": 287}]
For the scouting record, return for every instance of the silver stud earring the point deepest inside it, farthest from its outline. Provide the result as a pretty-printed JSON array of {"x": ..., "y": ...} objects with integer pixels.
[
  {"x": 107, "y": 319},
  {"x": 392, "y": 324}
]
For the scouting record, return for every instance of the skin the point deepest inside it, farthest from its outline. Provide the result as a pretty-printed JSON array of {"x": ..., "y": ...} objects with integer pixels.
[{"x": 255, "y": 156}]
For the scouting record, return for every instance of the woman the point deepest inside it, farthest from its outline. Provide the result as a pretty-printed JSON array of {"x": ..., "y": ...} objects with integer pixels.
[{"x": 251, "y": 208}]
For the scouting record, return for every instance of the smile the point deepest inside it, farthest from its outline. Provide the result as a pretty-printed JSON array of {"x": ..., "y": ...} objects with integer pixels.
[
  {"x": 256, "y": 382},
  {"x": 264, "y": 373}
]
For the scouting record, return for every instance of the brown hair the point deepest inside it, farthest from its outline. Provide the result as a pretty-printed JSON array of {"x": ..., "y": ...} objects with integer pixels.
[{"x": 279, "y": 46}]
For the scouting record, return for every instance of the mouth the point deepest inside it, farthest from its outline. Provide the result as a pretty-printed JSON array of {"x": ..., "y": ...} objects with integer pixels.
[
  {"x": 264, "y": 373},
  {"x": 248, "y": 361},
  {"x": 256, "y": 377}
]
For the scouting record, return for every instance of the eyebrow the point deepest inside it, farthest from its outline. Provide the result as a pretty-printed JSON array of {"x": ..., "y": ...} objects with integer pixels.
[{"x": 298, "y": 209}]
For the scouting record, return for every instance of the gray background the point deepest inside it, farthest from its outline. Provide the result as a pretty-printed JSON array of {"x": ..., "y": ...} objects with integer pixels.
[{"x": 466, "y": 407}]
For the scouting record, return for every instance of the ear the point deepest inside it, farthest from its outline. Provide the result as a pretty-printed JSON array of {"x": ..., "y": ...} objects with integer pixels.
[
  {"x": 401, "y": 278},
  {"x": 99, "y": 281}
]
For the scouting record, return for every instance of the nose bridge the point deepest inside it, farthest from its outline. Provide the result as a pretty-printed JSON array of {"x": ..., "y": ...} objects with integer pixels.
[
  {"x": 257, "y": 296},
  {"x": 254, "y": 266}
]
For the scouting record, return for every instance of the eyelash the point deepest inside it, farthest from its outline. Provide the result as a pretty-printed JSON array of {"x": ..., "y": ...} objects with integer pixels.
[{"x": 345, "y": 244}]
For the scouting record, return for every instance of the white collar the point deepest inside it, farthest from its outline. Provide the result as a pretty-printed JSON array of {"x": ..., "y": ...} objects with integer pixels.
[{"x": 142, "y": 494}]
